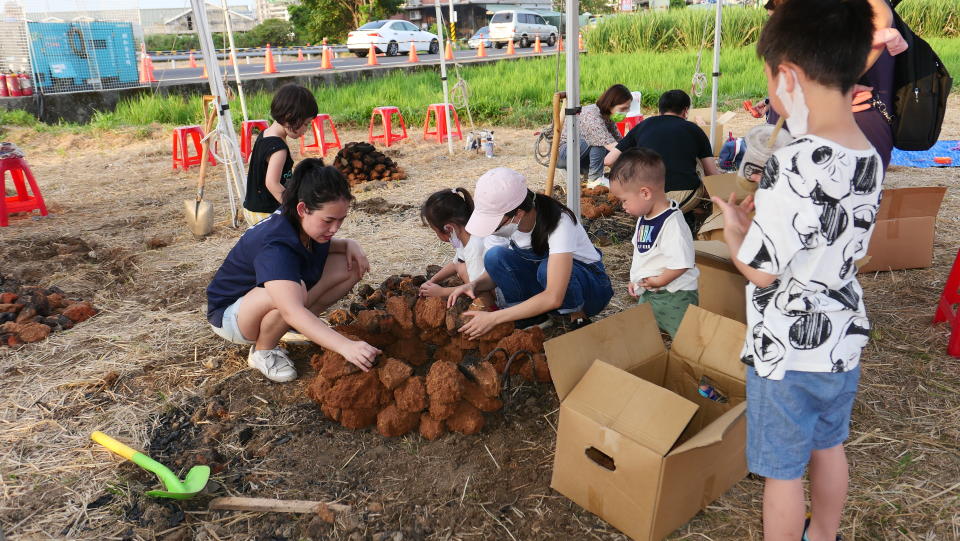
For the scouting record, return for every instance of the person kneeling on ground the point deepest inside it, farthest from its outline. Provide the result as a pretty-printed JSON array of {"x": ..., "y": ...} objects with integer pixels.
[
  {"x": 598, "y": 132},
  {"x": 550, "y": 263},
  {"x": 286, "y": 270},
  {"x": 680, "y": 143},
  {"x": 663, "y": 271}
]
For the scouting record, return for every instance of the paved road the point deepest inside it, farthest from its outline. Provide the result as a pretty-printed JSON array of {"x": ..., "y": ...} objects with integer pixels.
[{"x": 290, "y": 66}]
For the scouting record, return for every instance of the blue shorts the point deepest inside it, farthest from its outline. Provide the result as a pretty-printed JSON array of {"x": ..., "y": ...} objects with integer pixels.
[{"x": 790, "y": 418}]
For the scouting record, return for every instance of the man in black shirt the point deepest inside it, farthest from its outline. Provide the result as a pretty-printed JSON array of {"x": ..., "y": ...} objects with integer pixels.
[{"x": 679, "y": 142}]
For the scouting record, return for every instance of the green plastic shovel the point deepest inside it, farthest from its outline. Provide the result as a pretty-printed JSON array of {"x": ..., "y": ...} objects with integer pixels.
[{"x": 181, "y": 490}]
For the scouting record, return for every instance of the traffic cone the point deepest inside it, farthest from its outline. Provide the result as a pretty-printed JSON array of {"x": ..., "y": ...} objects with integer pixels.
[
  {"x": 204, "y": 74},
  {"x": 299, "y": 55},
  {"x": 560, "y": 44},
  {"x": 325, "y": 62},
  {"x": 193, "y": 61},
  {"x": 481, "y": 51},
  {"x": 536, "y": 46},
  {"x": 580, "y": 41},
  {"x": 146, "y": 67},
  {"x": 372, "y": 56},
  {"x": 449, "y": 54},
  {"x": 413, "y": 54},
  {"x": 268, "y": 65},
  {"x": 510, "y": 48}
]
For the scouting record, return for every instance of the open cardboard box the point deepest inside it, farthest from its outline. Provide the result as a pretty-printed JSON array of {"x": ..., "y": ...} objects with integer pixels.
[
  {"x": 636, "y": 443},
  {"x": 722, "y": 286},
  {"x": 903, "y": 235},
  {"x": 720, "y": 186},
  {"x": 702, "y": 118}
]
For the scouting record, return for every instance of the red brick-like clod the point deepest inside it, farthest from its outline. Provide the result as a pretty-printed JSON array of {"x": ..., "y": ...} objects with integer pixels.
[
  {"x": 357, "y": 418},
  {"x": 431, "y": 428},
  {"x": 411, "y": 350},
  {"x": 402, "y": 314},
  {"x": 361, "y": 390},
  {"x": 454, "y": 317},
  {"x": 445, "y": 382},
  {"x": 430, "y": 313},
  {"x": 474, "y": 394},
  {"x": 412, "y": 395},
  {"x": 339, "y": 317}
]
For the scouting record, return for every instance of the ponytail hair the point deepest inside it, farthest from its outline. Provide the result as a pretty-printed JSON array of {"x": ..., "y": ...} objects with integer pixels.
[
  {"x": 447, "y": 206},
  {"x": 549, "y": 212},
  {"x": 314, "y": 184}
]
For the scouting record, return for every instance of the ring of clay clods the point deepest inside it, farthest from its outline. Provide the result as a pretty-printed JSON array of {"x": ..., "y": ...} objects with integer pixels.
[
  {"x": 429, "y": 377},
  {"x": 598, "y": 202}
]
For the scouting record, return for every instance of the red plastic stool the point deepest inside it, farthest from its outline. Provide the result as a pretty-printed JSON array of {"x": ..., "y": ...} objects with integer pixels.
[
  {"x": 22, "y": 202},
  {"x": 181, "y": 154},
  {"x": 246, "y": 136},
  {"x": 948, "y": 310},
  {"x": 440, "y": 131},
  {"x": 320, "y": 144},
  {"x": 628, "y": 123},
  {"x": 386, "y": 116}
]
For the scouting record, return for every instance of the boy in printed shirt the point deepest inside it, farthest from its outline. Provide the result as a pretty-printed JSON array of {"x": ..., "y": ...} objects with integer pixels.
[
  {"x": 663, "y": 273},
  {"x": 815, "y": 210}
]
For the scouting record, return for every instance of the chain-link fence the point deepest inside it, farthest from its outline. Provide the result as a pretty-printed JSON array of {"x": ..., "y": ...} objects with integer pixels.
[{"x": 72, "y": 45}]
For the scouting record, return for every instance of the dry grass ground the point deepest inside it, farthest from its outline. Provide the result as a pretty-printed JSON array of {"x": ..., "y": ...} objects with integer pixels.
[{"x": 147, "y": 370}]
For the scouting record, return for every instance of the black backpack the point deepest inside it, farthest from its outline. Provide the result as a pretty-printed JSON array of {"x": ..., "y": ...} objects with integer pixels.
[{"x": 921, "y": 86}]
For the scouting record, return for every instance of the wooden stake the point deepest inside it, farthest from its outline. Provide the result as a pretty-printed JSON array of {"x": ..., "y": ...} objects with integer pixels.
[
  {"x": 268, "y": 505},
  {"x": 558, "y": 99}
]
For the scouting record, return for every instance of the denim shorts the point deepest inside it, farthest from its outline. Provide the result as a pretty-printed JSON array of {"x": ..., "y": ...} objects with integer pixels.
[
  {"x": 790, "y": 418},
  {"x": 231, "y": 329}
]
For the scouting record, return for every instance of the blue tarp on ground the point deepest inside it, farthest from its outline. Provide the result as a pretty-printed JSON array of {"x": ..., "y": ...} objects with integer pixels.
[{"x": 924, "y": 158}]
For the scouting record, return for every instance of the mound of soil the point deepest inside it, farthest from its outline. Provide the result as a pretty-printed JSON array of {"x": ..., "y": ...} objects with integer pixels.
[
  {"x": 430, "y": 377},
  {"x": 598, "y": 202}
]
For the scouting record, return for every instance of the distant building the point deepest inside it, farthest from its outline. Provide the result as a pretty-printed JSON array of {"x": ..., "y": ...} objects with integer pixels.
[
  {"x": 183, "y": 21},
  {"x": 274, "y": 9},
  {"x": 471, "y": 14}
]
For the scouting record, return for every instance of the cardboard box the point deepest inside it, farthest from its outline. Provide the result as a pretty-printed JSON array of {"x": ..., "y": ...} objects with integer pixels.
[
  {"x": 720, "y": 186},
  {"x": 903, "y": 235},
  {"x": 722, "y": 286},
  {"x": 702, "y": 118},
  {"x": 636, "y": 443}
]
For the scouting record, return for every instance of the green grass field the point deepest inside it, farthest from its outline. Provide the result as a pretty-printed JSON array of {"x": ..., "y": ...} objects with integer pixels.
[{"x": 515, "y": 93}]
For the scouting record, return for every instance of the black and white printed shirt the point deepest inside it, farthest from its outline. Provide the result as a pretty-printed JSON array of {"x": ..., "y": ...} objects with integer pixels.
[{"x": 815, "y": 210}]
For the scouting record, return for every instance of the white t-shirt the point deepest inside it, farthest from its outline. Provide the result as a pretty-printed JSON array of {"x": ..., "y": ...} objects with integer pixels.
[
  {"x": 568, "y": 237},
  {"x": 664, "y": 242},
  {"x": 472, "y": 254},
  {"x": 816, "y": 207}
]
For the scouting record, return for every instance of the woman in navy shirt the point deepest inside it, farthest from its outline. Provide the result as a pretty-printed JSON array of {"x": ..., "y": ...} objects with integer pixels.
[{"x": 287, "y": 269}]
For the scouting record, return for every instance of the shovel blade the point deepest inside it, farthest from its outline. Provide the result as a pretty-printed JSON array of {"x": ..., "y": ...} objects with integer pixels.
[
  {"x": 199, "y": 217},
  {"x": 193, "y": 483}
]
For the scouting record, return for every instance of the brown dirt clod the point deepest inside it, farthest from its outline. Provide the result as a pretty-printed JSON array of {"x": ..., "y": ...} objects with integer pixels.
[
  {"x": 412, "y": 395},
  {"x": 33, "y": 332},
  {"x": 80, "y": 311},
  {"x": 445, "y": 382},
  {"x": 393, "y": 421},
  {"x": 358, "y": 418},
  {"x": 431, "y": 428},
  {"x": 339, "y": 317},
  {"x": 430, "y": 313},
  {"x": 393, "y": 372},
  {"x": 411, "y": 350},
  {"x": 466, "y": 419},
  {"x": 441, "y": 410},
  {"x": 401, "y": 312},
  {"x": 333, "y": 366},
  {"x": 361, "y": 390},
  {"x": 473, "y": 393},
  {"x": 540, "y": 368}
]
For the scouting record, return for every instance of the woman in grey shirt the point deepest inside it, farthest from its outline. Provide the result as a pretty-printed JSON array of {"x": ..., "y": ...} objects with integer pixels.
[{"x": 598, "y": 134}]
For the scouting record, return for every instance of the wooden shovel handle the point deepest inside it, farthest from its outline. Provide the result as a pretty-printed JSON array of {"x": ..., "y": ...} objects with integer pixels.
[{"x": 209, "y": 113}]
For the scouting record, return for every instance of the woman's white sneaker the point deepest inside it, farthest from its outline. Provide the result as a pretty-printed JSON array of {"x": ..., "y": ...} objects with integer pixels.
[{"x": 272, "y": 363}]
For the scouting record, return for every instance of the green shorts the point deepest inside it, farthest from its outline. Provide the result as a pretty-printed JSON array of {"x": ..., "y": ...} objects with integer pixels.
[{"x": 668, "y": 307}]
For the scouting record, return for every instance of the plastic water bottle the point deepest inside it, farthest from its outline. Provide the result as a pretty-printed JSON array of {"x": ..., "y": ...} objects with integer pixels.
[{"x": 488, "y": 147}]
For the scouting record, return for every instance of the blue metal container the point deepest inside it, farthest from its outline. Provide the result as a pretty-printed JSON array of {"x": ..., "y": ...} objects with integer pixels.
[{"x": 83, "y": 55}]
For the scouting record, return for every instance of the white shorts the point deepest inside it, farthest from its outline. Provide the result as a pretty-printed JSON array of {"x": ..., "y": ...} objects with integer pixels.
[{"x": 231, "y": 329}]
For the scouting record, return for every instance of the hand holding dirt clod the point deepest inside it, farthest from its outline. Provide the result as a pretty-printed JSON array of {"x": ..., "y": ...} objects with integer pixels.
[
  {"x": 465, "y": 289},
  {"x": 431, "y": 289},
  {"x": 480, "y": 323},
  {"x": 360, "y": 354}
]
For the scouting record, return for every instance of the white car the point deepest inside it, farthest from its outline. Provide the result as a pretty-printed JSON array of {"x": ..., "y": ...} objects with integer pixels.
[
  {"x": 391, "y": 37},
  {"x": 522, "y": 27}
]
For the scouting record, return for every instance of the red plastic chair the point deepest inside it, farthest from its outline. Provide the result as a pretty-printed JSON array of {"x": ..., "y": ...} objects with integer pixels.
[
  {"x": 181, "y": 151},
  {"x": 440, "y": 131},
  {"x": 948, "y": 309},
  {"x": 320, "y": 144},
  {"x": 246, "y": 136},
  {"x": 23, "y": 201},
  {"x": 386, "y": 116}
]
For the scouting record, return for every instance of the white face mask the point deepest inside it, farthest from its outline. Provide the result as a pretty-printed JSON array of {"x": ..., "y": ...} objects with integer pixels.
[
  {"x": 794, "y": 103},
  {"x": 454, "y": 239},
  {"x": 507, "y": 230}
]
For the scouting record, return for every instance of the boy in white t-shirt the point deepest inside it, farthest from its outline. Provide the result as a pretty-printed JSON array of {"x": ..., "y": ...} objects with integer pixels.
[{"x": 663, "y": 272}]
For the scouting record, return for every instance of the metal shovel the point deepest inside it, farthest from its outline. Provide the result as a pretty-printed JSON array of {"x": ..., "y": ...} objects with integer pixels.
[
  {"x": 194, "y": 482},
  {"x": 198, "y": 212}
]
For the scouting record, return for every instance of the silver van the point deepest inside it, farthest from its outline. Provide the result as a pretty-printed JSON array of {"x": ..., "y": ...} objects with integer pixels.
[{"x": 521, "y": 26}]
